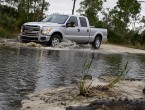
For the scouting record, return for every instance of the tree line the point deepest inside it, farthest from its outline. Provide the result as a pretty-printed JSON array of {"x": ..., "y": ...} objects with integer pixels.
[
  {"x": 122, "y": 21},
  {"x": 13, "y": 13}
]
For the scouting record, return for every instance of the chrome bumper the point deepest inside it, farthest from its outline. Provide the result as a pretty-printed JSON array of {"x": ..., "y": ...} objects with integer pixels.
[{"x": 40, "y": 38}]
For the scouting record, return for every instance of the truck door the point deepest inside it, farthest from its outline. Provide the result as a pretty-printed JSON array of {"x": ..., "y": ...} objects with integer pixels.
[
  {"x": 72, "y": 33},
  {"x": 84, "y": 33},
  {"x": 79, "y": 33}
]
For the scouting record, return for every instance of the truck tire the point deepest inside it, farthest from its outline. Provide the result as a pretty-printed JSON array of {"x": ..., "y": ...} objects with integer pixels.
[
  {"x": 97, "y": 43},
  {"x": 54, "y": 40}
]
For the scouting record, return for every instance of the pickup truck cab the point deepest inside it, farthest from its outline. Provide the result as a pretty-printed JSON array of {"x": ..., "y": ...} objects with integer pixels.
[{"x": 56, "y": 27}]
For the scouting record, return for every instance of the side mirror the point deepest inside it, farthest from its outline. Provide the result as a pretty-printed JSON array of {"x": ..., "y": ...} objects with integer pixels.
[{"x": 72, "y": 24}]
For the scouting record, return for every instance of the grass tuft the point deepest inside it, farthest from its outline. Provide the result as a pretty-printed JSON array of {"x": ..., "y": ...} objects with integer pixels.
[
  {"x": 85, "y": 75},
  {"x": 122, "y": 74}
]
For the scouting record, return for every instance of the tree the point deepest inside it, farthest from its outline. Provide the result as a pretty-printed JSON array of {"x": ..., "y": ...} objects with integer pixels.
[
  {"x": 91, "y": 8},
  {"x": 124, "y": 12},
  {"x": 121, "y": 16},
  {"x": 44, "y": 6},
  {"x": 13, "y": 13},
  {"x": 27, "y": 8}
]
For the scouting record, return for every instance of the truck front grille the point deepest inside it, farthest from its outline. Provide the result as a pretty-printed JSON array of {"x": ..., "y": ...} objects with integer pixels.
[
  {"x": 31, "y": 30},
  {"x": 29, "y": 38}
]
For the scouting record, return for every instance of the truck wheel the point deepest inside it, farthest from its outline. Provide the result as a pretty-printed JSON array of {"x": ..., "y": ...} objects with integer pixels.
[
  {"x": 54, "y": 40},
  {"x": 97, "y": 43}
]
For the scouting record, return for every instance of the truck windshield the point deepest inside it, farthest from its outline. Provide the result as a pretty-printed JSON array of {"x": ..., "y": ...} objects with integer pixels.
[{"x": 60, "y": 19}]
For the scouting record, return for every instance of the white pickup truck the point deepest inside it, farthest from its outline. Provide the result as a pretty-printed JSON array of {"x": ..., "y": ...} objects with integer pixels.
[{"x": 56, "y": 27}]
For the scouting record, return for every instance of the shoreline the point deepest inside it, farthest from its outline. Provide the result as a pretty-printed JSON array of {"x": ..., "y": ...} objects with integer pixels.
[{"x": 71, "y": 46}]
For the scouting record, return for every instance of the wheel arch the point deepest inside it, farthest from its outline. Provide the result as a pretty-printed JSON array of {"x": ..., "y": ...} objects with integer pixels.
[
  {"x": 99, "y": 35},
  {"x": 58, "y": 33},
  {"x": 94, "y": 42}
]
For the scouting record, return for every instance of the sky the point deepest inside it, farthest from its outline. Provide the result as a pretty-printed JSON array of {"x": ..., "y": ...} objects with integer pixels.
[
  {"x": 65, "y": 6},
  {"x": 62, "y": 6}
]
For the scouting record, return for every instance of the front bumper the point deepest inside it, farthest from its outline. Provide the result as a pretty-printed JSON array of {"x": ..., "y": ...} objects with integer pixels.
[{"x": 40, "y": 38}]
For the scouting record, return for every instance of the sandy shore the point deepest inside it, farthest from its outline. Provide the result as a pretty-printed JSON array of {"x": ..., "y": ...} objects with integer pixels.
[
  {"x": 60, "y": 98},
  {"x": 120, "y": 49}
]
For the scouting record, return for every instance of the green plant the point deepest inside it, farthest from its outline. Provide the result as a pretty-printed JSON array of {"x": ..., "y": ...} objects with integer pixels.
[
  {"x": 117, "y": 79},
  {"x": 85, "y": 75}
]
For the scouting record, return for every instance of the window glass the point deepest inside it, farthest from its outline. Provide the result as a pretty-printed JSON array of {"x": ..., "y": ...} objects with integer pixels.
[
  {"x": 83, "y": 22},
  {"x": 73, "y": 19},
  {"x": 60, "y": 19}
]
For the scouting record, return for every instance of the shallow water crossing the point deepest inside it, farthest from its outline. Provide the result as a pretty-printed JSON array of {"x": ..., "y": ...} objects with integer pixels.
[{"x": 23, "y": 70}]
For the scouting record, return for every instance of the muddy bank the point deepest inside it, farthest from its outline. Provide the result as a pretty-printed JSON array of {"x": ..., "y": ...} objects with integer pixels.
[
  {"x": 61, "y": 98},
  {"x": 68, "y": 45}
]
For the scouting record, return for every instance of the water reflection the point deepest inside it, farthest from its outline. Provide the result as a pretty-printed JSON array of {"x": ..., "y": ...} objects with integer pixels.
[
  {"x": 17, "y": 75},
  {"x": 26, "y": 70}
]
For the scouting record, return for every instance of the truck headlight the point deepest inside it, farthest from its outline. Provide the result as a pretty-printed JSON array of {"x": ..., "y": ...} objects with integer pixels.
[
  {"x": 46, "y": 30},
  {"x": 21, "y": 29}
]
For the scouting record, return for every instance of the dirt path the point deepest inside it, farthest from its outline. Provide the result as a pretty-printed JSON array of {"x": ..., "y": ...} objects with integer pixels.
[{"x": 119, "y": 49}]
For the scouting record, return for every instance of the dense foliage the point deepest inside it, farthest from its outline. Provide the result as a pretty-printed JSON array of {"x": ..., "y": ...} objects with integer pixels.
[{"x": 13, "y": 13}]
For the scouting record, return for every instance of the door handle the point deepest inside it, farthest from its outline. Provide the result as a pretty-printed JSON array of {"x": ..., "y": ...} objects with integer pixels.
[
  {"x": 87, "y": 30},
  {"x": 78, "y": 30}
]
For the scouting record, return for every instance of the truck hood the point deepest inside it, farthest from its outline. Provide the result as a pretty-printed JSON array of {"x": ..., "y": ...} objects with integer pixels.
[{"x": 41, "y": 24}]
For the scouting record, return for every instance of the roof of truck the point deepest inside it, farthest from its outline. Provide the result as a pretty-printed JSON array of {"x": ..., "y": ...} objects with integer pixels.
[{"x": 70, "y": 15}]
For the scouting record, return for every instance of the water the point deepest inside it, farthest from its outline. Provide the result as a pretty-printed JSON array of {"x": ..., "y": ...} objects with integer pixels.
[{"x": 23, "y": 71}]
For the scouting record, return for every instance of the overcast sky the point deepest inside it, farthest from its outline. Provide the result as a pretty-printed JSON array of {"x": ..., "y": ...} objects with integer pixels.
[
  {"x": 62, "y": 6},
  {"x": 65, "y": 6}
]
